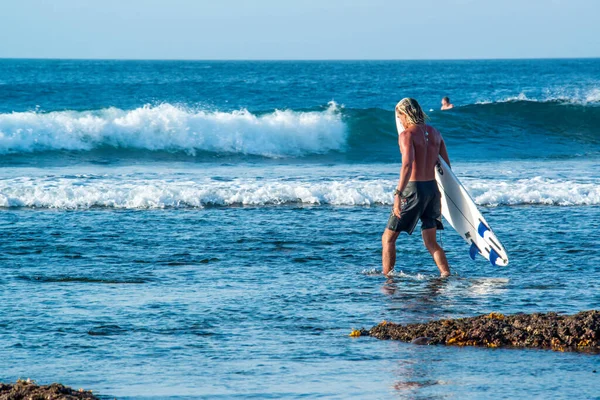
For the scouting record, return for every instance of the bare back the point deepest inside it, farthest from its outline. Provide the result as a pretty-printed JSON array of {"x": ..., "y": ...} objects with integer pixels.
[{"x": 426, "y": 150}]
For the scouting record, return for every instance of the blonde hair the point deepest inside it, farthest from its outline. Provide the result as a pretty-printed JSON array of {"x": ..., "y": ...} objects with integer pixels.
[{"x": 413, "y": 111}]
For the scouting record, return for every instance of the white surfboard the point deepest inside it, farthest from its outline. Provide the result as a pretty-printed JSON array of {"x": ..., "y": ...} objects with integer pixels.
[{"x": 460, "y": 211}]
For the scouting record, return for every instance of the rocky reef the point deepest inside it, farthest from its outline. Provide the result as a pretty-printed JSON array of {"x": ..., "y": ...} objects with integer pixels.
[
  {"x": 579, "y": 332},
  {"x": 29, "y": 390}
]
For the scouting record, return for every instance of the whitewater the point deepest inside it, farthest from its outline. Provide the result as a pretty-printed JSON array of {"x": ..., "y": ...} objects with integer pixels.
[
  {"x": 171, "y": 128},
  {"x": 163, "y": 185},
  {"x": 138, "y": 192}
]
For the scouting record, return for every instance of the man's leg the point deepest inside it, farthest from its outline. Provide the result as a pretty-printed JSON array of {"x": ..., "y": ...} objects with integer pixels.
[
  {"x": 436, "y": 251},
  {"x": 388, "y": 256}
]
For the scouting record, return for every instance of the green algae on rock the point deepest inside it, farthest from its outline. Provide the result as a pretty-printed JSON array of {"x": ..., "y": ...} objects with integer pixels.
[{"x": 579, "y": 332}]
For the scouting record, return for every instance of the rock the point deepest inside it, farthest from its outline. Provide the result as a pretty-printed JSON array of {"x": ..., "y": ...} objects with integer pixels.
[
  {"x": 421, "y": 340},
  {"x": 28, "y": 389},
  {"x": 579, "y": 332}
]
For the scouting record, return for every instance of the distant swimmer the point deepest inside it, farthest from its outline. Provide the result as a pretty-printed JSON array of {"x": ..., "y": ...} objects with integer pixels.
[
  {"x": 417, "y": 195},
  {"x": 446, "y": 105}
]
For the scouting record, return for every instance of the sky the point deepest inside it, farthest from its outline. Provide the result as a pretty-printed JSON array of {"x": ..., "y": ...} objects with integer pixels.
[{"x": 302, "y": 29}]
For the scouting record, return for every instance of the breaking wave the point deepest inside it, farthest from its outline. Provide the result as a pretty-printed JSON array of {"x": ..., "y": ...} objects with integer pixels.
[
  {"x": 177, "y": 129},
  {"x": 507, "y": 129},
  {"x": 583, "y": 97},
  {"x": 86, "y": 192}
]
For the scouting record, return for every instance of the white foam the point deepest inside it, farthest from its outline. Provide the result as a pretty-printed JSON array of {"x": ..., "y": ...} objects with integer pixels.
[
  {"x": 589, "y": 96},
  {"x": 535, "y": 190},
  {"x": 593, "y": 96},
  {"x": 86, "y": 192},
  {"x": 400, "y": 274},
  {"x": 133, "y": 192},
  {"x": 371, "y": 272},
  {"x": 171, "y": 128},
  {"x": 395, "y": 274}
]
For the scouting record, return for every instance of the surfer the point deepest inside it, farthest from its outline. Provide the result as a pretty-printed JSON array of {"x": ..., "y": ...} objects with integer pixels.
[
  {"x": 417, "y": 195},
  {"x": 446, "y": 105}
]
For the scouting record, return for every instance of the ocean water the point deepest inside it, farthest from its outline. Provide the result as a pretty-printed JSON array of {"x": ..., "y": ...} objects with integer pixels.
[{"x": 184, "y": 230}]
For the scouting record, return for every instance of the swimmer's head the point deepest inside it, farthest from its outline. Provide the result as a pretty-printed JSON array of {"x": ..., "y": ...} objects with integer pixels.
[
  {"x": 446, "y": 101},
  {"x": 410, "y": 112}
]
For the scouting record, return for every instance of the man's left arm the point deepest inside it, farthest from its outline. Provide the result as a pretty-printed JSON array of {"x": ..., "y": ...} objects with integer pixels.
[{"x": 408, "y": 156}]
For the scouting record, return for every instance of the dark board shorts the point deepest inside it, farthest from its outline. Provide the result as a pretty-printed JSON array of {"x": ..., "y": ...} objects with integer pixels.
[{"x": 420, "y": 200}]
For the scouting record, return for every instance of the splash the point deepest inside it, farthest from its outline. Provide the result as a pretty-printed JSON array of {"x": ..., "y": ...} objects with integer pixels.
[
  {"x": 167, "y": 127},
  {"x": 133, "y": 192}
]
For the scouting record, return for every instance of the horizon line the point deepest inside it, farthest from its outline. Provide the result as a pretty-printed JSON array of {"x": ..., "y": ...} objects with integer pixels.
[{"x": 298, "y": 59}]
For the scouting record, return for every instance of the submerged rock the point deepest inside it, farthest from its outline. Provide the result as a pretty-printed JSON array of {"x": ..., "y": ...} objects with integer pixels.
[
  {"x": 28, "y": 389},
  {"x": 579, "y": 332},
  {"x": 421, "y": 340}
]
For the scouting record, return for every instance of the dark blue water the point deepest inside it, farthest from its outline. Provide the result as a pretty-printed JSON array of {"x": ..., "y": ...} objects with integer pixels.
[{"x": 212, "y": 229}]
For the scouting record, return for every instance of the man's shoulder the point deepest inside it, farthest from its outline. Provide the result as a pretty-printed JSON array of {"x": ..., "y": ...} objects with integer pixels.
[
  {"x": 408, "y": 132},
  {"x": 405, "y": 134},
  {"x": 431, "y": 128}
]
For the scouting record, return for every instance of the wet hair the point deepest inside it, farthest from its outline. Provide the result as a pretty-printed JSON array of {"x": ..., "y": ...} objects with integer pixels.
[
  {"x": 413, "y": 111},
  {"x": 446, "y": 99}
]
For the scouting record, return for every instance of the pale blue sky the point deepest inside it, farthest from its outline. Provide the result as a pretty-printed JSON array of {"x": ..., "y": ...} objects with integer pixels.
[{"x": 302, "y": 29}]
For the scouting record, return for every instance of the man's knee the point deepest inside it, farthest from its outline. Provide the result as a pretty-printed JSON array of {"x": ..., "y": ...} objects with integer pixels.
[
  {"x": 430, "y": 243},
  {"x": 389, "y": 237},
  {"x": 432, "y": 247}
]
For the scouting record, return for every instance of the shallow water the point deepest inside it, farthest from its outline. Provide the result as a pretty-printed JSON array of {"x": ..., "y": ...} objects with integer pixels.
[
  {"x": 260, "y": 302},
  {"x": 167, "y": 233}
]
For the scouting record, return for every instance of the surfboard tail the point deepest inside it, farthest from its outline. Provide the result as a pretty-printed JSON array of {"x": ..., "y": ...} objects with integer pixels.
[{"x": 493, "y": 257}]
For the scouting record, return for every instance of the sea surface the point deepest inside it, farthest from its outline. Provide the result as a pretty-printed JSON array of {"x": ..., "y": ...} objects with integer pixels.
[{"x": 187, "y": 230}]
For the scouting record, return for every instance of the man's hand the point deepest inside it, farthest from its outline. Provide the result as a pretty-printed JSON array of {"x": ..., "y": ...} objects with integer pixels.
[{"x": 397, "y": 206}]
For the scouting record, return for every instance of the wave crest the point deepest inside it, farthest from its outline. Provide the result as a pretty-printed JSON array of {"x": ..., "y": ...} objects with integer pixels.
[
  {"x": 584, "y": 97},
  {"x": 170, "y": 128}
]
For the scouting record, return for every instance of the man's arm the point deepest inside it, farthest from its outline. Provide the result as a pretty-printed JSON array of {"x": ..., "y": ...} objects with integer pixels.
[
  {"x": 444, "y": 152},
  {"x": 407, "y": 149},
  {"x": 408, "y": 156}
]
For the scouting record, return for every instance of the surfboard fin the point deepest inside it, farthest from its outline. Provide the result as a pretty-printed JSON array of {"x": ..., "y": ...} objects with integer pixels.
[
  {"x": 482, "y": 228},
  {"x": 473, "y": 250},
  {"x": 493, "y": 257}
]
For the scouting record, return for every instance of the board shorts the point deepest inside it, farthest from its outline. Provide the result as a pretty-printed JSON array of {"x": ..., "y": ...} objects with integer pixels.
[{"x": 419, "y": 200}]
